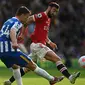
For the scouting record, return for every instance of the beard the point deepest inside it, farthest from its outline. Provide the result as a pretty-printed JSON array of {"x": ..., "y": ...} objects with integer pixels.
[{"x": 49, "y": 15}]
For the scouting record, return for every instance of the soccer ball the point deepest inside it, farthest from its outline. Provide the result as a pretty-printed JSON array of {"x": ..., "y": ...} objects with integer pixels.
[{"x": 81, "y": 61}]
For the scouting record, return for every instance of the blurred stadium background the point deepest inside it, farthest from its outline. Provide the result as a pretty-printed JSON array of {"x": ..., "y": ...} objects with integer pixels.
[{"x": 67, "y": 30}]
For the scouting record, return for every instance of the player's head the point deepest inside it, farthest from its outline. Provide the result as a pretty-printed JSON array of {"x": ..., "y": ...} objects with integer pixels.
[
  {"x": 23, "y": 13},
  {"x": 53, "y": 8}
]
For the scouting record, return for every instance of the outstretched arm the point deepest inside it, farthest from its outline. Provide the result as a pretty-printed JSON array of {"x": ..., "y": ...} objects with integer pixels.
[
  {"x": 30, "y": 19},
  {"x": 25, "y": 25}
]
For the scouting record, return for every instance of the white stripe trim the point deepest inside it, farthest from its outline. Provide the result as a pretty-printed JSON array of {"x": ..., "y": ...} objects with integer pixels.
[
  {"x": 58, "y": 63},
  {"x": 62, "y": 69},
  {"x": 6, "y": 46},
  {"x": 11, "y": 47},
  {"x": 2, "y": 47}
]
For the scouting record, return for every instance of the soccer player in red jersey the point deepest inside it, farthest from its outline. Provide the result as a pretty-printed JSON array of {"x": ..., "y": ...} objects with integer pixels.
[{"x": 40, "y": 37}]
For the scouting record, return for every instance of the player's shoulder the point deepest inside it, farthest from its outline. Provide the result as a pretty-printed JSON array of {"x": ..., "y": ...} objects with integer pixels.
[
  {"x": 40, "y": 15},
  {"x": 12, "y": 20},
  {"x": 15, "y": 19}
]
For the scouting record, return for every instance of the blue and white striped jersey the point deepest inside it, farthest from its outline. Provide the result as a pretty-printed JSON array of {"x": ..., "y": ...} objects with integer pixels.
[
  {"x": 12, "y": 23},
  {"x": 5, "y": 42}
]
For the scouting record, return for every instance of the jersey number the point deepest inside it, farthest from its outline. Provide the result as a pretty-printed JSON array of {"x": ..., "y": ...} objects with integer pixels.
[{"x": 6, "y": 32}]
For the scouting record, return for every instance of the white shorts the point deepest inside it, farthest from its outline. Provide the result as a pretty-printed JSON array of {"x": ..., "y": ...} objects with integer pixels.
[{"x": 38, "y": 51}]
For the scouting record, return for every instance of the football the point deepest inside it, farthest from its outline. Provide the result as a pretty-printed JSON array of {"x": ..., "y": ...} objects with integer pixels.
[{"x": 81, "y": 61}]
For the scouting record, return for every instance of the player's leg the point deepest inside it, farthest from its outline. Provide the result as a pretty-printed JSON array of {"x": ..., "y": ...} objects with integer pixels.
[
  {"x": 8, "y": 61},
  {"x": 22, "y": 70},
  {"x": 17, "y": 74},
  {"x": 51, "y": 56},
  {"x": 27, "y": 62},
  {"x": 43, "y": 51},
  {"x": 41, "y": 72},
  {"x": 24, "y": 50},
  {"x": 12, "y": 79},
  {"x": 32, "y": 66}
]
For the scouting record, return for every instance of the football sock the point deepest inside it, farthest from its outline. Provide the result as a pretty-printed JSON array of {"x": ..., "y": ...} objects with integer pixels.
[
  {"x": 12, "y": 79},
  {"x": 17, "y": 76},
  {"x": 43, "y": 73},
  {"x": 62, "y": 68}
]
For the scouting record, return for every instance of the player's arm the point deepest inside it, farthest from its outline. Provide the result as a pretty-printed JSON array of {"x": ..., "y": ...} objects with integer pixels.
[
  {"x": 13, "y": 38},
  {"x": 21, "y": 36},
  {"x": 36, "y": 17},
  {"x": 13, "y": 35},
  {"x": 48, "y": 40},
  {"x": 53, "y": 45},
  {"x": 31, "y": 19},
  {"x": 25, "y": 25}
]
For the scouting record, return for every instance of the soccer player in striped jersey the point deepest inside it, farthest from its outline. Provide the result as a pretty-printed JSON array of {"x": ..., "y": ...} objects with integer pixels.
[{"x": 10, "y": 55}]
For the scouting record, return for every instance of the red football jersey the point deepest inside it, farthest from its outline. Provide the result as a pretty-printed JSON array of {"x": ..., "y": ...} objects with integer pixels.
[{"x": 42, "y": 23}]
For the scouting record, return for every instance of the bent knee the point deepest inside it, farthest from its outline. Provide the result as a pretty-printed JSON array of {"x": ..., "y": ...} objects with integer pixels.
[
  {"x": 31, "y": 66},
  {"x": 26, "y": 70},
  {"x": 15, "y": 66}
]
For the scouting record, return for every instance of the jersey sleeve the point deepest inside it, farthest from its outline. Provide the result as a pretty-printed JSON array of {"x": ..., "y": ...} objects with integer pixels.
[{"x": 40, "y": 16}]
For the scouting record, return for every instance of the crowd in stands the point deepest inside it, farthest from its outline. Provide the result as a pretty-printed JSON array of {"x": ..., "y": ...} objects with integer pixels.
[{"x": 67, "y": 29}]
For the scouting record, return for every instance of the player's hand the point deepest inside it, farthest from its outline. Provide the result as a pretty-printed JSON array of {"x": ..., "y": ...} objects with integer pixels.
[
  {"x": 53, "y": 45},
  {"x": 15, "y": 45}
]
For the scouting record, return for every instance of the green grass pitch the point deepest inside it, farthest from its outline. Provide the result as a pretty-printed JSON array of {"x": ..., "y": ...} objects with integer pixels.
[{"x": 33, "y": 79}]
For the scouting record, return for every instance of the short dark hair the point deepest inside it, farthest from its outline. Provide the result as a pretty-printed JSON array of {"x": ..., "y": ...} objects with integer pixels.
[
  {"x": 54, "y": 4},
  {"x": 22, "y": 10}
]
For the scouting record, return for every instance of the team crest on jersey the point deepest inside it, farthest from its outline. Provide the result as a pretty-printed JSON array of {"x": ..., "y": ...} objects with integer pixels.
[
  {"x": 16, "y": 26},
  {"x": 39, "y": 15}
]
